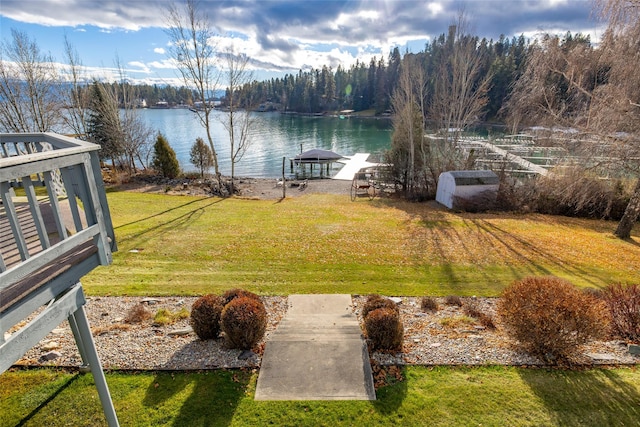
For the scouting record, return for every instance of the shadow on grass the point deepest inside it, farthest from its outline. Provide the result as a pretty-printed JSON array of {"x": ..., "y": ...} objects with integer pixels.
[
  {"x": 172, "y": 223},
  {"x": 48, "y": 400},
  {"x": 597, "y": 397},
  {"x": 389, "y": 398},
  {"x": 451, "y": 238},
  {"x": 211, "y": 397},
  {"x": 216, "y": 201}
]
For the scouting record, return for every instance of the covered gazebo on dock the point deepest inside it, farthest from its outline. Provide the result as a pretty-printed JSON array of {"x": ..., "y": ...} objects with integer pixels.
[{"x": 323, "y": 158}]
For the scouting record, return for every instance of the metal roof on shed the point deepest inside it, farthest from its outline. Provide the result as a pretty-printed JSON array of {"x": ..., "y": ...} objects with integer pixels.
[{"x": 475, "y": 177}]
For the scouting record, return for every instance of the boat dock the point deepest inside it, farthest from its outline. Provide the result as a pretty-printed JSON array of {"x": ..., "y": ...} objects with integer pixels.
[{"x": 352, "y": 164}]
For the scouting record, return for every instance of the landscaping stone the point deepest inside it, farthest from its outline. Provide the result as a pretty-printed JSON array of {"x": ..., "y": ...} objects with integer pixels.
[
  {"x": 603, "y": 357},
  {"x": 180, "y": 332},
  {"x": 52, "y": 355},
  {"x": 634, "y": 349},
  {"x": 246, "y": 354},
  {"x": 51, "y": 345}
]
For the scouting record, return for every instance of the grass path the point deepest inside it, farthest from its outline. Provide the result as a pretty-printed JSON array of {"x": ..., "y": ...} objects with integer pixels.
[
  {"x": 443, "y": 396},
  {"x": 325, "y": 243}
]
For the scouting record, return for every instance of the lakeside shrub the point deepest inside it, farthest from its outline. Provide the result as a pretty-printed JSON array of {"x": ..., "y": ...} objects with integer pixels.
[
  {"x": 205, "y": 316},
  {"x": 384, "y": 329},
  {"x": 375, "y": 301},
  {"x": 164, "y": 159},
  {"x": 550, "y": 317},
  {"x": 428, "y": 304},
  {"x": 244, "y": 322},
  {"x": 623, "y": 302}
]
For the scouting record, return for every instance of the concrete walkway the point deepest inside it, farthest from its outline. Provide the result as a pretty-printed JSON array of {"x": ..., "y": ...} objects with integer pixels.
[{"x": 316, "y": 353}]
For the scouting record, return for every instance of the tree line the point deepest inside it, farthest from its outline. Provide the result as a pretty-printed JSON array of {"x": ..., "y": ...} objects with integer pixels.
[{"x": 371, "y": 86}]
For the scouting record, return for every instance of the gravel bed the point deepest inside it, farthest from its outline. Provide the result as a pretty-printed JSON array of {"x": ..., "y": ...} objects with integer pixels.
[
  {"x": 448, "y": 337},
  {"x": 144, "y": 346},
  {"x": 444, "y": 337}
]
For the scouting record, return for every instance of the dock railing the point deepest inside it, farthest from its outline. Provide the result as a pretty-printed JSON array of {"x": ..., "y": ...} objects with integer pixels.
[{"x": 55, "y": 227}]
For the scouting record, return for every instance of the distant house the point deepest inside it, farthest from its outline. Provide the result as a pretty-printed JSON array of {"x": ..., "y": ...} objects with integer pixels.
[{"x": 468, "y": 190}]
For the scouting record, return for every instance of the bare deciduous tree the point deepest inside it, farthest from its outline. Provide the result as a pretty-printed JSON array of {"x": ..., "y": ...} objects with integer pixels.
[
  {"x": 409, "y": 110},
  {"x": 76, "y": 98},
  {"x": 29, "y": 87},
  {"x": 239, "y": 118},
  {"x": 461, "y": 86},
  {"x": 570, "y": 84},
  {"x": 194, "y": 52},
  {"x": 136, "y": 134}
]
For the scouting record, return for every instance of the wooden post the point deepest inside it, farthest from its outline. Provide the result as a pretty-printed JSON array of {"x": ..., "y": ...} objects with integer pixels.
[{"x": 284, "y": 182}]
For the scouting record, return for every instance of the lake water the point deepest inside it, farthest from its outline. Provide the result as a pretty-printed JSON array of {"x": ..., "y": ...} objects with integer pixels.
[{"x": 273, "y": 137}]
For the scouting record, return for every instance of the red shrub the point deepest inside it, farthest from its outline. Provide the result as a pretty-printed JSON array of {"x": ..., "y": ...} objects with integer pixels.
[
  {"x": 550, "y": 317},
  {"x": 624, "y": 307},
  {"x": 244, "y": 322},
  {"x": 205, "y": 316}
]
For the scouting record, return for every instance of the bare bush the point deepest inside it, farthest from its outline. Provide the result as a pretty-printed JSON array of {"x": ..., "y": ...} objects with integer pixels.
[
  {"x": 244, "y": 322},
  {"x": 384, "y": 329},
  {"x": 428, "y": 304},
  {"x": 550, "y": 317},
  {"x": 137, "y": 314},
  {"x": 375, "y": 301},
  {"x": 624, "y": 306},
  {"x": 472, "y": 309},
  {"x": 205, "y": 316}
]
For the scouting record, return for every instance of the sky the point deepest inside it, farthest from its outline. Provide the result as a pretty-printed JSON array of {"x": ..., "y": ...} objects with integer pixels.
[{"x": 280, "y": 36}]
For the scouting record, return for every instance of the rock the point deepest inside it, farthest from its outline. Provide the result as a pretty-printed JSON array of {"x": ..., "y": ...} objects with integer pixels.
[
  {"x": 52, "y": 355},
  {"x": 634, "y": 349},
  {"x": 416, "y": 340},
  {"x": 180, "y": 332},
  {"x": 603, "y": 357},
  {"x": 51, "y": 345},
  {"x": 59, "y": 331},
  {"x": 435, "y": 345},
  {"x": 149, "y": 301},
  {"x": 479, "y": 328},
  {"x": 246, "y": 354},
  {"x": 7, "y": 335},
  {"x": 397, "y": 300}
]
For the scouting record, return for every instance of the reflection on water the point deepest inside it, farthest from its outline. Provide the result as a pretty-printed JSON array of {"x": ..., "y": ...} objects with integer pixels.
[{"x": 273, "y": 136}]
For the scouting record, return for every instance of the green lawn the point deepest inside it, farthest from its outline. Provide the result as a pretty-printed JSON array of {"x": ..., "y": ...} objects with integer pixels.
[
  {"x": 443, "y": 396},
  {"x": 326, "y": 244}
]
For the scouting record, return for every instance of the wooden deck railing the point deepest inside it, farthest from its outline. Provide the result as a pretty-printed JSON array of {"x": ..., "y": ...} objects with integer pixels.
[{"x": 55, "y": 227}]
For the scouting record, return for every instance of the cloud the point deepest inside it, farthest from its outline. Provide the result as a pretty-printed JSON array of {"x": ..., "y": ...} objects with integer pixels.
[{"x": 291, "y": 34}]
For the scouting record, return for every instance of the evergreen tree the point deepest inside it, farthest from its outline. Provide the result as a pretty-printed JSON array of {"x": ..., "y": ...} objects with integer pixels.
[
  {"x": 164, "y": 158},
  {"x": 104, "y": 126},
  {"x": 201, "y": 156}
]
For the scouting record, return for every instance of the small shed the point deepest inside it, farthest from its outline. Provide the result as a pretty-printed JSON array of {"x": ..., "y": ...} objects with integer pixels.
[{"x": 476, "y": 189}]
